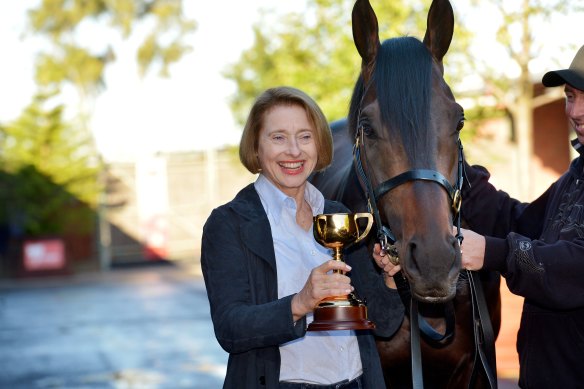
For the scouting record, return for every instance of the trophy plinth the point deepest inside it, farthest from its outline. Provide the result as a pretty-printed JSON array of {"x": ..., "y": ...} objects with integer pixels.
[{"x": 338, "y": 231}]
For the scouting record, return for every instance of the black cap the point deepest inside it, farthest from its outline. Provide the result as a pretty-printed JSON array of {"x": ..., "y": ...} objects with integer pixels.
[{"x": 574, "y": 75}]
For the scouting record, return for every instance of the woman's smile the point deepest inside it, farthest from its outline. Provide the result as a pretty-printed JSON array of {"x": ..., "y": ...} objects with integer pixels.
[{"x": 292, "y": 167}]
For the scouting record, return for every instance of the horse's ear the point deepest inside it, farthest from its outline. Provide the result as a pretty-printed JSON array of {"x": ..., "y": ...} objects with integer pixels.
[
  {"x": 366, "y": 36},
  {"x": 439, "y": 29}
]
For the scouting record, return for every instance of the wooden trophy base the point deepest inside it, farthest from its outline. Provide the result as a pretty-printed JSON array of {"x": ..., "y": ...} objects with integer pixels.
[{"x": 329, "y": 318}]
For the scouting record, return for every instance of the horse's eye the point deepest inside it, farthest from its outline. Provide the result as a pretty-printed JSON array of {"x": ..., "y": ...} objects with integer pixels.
[
  {"x": 366, "y": 127},
  {"x": 368, "y": 131},
  {"x": 460, "y": 125}
]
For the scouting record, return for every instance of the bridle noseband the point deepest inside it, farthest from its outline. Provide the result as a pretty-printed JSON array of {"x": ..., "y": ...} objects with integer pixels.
[{"x": 384, "y": 234}]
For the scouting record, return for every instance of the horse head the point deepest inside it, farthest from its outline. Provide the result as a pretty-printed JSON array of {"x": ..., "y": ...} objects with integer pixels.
[{"x": 406, "y": 124}]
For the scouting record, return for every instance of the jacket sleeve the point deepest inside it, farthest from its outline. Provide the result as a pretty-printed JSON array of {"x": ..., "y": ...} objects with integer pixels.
[
  {"x": 243, "y": 317},
  {"x": 543, "y": 272},
  {"x": 547, "y": 274},
  {"x": 492, "y": 212},
  {"x": 384, "y": 306}
]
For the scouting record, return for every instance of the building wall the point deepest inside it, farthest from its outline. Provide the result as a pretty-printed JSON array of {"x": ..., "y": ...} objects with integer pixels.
[
  {"x": 552, "y": 151},
  {"x": 551, "y": 135},
  {"x": 195, "y": 183}
]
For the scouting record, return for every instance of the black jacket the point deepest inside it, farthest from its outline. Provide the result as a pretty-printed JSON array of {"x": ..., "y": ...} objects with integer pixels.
[
  {"x": 539, "y": 248},
  {"x": 250, "y": 322}
]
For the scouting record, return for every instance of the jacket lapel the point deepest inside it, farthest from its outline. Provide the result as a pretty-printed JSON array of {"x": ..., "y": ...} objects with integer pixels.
[{"x": 255, "y": 228}]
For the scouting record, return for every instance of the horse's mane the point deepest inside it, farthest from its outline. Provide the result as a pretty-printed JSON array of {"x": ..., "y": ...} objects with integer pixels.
[{"x": 402, "y": 81}]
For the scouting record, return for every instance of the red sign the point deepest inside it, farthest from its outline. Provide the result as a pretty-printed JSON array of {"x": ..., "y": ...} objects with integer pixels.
[{"x": 46, "y": 254}]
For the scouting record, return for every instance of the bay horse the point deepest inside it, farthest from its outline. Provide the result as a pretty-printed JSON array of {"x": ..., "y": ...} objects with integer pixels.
[{"x": 399, "y": 156}]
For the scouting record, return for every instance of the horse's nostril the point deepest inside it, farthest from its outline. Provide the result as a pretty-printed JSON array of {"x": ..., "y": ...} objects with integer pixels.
[{"x": 414, "y": 265}]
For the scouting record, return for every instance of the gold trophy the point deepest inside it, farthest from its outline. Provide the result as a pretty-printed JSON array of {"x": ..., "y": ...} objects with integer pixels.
[{"x": 338, "y": 231}]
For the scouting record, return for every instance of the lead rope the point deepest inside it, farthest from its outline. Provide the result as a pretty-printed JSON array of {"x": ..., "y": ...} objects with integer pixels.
[
  {"x": 483, "y": 332},
  {"x": 384, "y": 234},
  {"x": 416, "y": 350}
]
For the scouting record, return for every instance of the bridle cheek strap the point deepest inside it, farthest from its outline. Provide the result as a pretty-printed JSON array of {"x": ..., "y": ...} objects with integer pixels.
[{"x": 384, "y": 234}]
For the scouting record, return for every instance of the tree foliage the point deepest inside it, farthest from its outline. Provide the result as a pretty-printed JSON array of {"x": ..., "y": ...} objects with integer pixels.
[
  {"x": 48, "y": 175},
  {"x": 49, "y": 166},
  {"x": 82, "y": 63},
  {"x": 314, "y": 51}
]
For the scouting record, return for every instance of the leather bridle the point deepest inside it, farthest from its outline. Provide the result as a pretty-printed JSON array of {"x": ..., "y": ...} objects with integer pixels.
[
  {"x": 482, "y": 327},
  {"x": 384, "y": 234}
]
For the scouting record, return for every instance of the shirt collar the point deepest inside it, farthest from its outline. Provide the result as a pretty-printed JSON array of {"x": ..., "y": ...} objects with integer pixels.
[{"x": 274, "y": 200}]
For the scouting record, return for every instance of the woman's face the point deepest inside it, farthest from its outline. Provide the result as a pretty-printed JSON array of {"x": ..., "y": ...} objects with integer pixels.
[{"x": 287, "y": 148}]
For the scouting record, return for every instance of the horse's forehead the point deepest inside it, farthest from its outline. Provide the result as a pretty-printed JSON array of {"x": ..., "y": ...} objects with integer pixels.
[
  {"x": 372, "y": 111},
  {"x": 443, "y": 106},
  {"x": 440, "y": 89}
]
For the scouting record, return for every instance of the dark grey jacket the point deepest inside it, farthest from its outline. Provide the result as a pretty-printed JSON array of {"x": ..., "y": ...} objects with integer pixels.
[
  {"x": 239, "y": 267},
  {"x": 539, "y": 248}
]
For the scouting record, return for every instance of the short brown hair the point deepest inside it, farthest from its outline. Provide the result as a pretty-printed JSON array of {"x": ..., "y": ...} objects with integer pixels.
[{"x": 284, "y": 95}]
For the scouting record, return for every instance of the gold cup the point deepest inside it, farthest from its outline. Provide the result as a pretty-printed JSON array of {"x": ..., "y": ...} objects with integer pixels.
[{"x": 338, "y": 231}]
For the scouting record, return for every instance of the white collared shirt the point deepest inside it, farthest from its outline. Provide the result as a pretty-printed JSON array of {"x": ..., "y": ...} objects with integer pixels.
[{"x": 320, "y": 357}]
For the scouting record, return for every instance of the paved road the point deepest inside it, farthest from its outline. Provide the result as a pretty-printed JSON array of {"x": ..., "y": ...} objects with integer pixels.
[{"x": 145, "y": 327}]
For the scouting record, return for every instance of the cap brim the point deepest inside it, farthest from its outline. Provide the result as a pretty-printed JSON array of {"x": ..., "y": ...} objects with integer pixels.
[{"x": 561, "y": 77}]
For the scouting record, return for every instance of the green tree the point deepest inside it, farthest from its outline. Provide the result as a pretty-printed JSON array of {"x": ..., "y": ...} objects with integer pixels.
[
  {"x": 47, "y": 167},
  {"x": 79, "y": 63},
  {"x": 314, "y": 51}
]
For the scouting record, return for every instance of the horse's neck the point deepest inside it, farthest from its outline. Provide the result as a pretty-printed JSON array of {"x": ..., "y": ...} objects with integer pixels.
[
  {"x": 353, "y": 195},
  {"x": 341, "y": 183}
]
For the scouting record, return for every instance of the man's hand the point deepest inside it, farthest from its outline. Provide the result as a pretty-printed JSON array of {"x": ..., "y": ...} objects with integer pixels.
[{"x": 473, "y": 250}]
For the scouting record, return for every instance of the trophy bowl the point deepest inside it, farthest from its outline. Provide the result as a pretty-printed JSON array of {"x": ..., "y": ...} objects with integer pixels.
[{"x": 337, "y": 231}]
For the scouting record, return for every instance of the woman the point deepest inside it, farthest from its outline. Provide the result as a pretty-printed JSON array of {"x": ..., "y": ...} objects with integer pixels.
[{"x": 265, "y": 273}]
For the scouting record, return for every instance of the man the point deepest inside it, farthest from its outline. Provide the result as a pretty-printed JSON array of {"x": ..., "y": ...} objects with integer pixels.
[{"x": 539, "y": 249}]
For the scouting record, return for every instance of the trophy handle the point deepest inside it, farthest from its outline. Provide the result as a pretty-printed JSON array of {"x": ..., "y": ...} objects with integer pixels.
[
  {"x": 319, "y": 217},
  {"x": 319, "y": 225},
  {"x": 369, "y": 218}
]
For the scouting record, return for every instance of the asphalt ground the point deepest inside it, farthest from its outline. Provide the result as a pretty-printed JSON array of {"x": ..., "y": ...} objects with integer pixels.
[{"x": 140, "y": 327}]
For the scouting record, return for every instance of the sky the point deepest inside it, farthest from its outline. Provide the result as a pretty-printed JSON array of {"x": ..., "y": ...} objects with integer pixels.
[{"x": 137, "y": 117}]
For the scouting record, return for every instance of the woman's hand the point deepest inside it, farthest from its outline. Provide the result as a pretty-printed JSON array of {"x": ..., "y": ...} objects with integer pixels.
[
  {"x": 389, "y": 269},
  {"x": 321, "y": 283}
]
